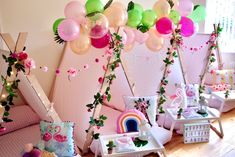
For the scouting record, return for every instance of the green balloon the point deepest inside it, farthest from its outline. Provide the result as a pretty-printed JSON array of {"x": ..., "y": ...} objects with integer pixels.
[
  {"x": 149, "y": 18},
  {"x": 56, "y": 24},
  {"x": 134, "y": 18},
  {"x": 93, "y": 6},
  {"x": 199, "y": 14},
  {"x": 175, "y": 16},
  {"x": 138, "y": 7}
]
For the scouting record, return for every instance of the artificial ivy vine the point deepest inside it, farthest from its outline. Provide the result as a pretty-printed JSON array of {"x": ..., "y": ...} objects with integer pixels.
[
  {"x": 10, "y": 82},
  {"x": 175, "y": 42},
  {"x": 113, "y": 62},
  {"x": 211, "y": 58}
]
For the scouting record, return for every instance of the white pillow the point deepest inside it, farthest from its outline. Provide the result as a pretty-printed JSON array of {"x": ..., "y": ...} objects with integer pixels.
[
  {"x": 192, "y": 94},
  {"x": 150, "y": 101}
]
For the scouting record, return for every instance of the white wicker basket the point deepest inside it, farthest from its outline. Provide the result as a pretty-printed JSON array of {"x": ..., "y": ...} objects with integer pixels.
[{"x": 196, "y": 132}]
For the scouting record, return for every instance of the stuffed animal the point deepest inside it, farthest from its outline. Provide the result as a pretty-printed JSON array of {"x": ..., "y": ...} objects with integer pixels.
[{"x": 31, "y": 151}]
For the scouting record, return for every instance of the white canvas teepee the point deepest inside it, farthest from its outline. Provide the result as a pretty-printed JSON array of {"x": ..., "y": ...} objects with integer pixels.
[{"x": 29, "y": 88}]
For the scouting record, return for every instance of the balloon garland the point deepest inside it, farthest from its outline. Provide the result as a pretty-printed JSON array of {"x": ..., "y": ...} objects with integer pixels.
[{"x": 92, "y": 24}]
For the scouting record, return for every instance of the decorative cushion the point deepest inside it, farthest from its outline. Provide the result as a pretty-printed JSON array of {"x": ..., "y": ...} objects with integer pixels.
[
  {"x": 129, "y": 121},
  {"x": 22, "y": 117},
  {"x": 147, "y": 105},
  {"x": 58, "y": 137},
  {"x": 192, "y": 93},
  {"x": 217, "y": 87}
]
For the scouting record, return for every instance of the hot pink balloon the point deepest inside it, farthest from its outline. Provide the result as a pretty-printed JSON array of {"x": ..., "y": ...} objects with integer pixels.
[
  {"x": 140, "y": 37},
  {"x": 68, "y": 30},
  {"x": 164, "y": 25},
  {"x": 185, "y": 7},
  {"x": 187, "y": 26},
  {"x": 130, "y": 35},
  {"x": 75, "y": 10},
  {"x": 101, "y": 42}
]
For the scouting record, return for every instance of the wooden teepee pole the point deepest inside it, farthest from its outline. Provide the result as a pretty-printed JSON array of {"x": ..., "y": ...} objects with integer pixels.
[
  {"x": 181, "y": 65},
  {"x": 210, "y": 51},
  {"x": 220, "y": 61}
]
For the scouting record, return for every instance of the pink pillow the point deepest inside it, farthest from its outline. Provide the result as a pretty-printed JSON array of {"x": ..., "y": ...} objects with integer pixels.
[{"x": 22, "y": 117}]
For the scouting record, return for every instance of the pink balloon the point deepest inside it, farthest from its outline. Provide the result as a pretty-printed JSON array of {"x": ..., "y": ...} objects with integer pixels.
[
  {"x": 187, "y": 26},
  {"x": 124, "y": 37},
  {"x": 68, "y": 30},
  {"x": 140, "y": 37},
  {"x": 130, "y": 35},
  {"x": 185, "y": 7},
  {"x": 101, "y": 42},
  {"x": 164, "y": 25},
  {"x": 75, "y": 10}
]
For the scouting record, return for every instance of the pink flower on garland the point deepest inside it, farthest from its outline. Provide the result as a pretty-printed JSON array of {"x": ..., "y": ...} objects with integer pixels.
[
  {"x": 22, "y": 56},
  {"x": 72, "y": 72},
  {"x": 29, "y": 63}
]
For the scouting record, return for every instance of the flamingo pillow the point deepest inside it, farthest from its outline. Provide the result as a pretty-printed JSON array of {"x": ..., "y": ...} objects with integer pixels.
[{"x": 58, "y": 137}]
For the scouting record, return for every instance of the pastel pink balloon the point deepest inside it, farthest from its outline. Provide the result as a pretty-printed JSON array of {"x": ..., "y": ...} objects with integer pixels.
[
  {"x": 124, "y": 37},
  {"x": 101, "y": 42},
  {"x": 185, "y": 7},
  {"x": 187, "y": 26},
  {"x": 140, "y": 37},
  {"x": 130, "y": 35},
  {"x": 164, "y": 25},
  {"x": 68, "y": 30},
  {"x": 75, "y": 10}
]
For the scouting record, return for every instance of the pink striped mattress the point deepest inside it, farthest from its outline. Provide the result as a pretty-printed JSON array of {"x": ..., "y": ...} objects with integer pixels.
[{"x": 12, "y": 144}]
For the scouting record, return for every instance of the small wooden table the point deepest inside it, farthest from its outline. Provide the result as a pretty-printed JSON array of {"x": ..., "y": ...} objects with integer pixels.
[
  {"x": 153, "y": 146},
  {"x": 221, "y": 96},
  {"x": 212, "y": 115}
]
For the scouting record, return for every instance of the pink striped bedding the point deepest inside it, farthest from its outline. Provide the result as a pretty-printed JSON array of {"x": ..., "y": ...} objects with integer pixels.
[{"x": 12, "y": 144}]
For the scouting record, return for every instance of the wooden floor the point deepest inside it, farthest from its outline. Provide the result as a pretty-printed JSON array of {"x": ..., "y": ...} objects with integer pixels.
[{"x": 215, "y": 148}]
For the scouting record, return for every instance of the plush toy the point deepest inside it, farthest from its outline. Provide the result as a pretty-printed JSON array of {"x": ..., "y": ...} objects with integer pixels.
[{"x": 30, "y": 151}]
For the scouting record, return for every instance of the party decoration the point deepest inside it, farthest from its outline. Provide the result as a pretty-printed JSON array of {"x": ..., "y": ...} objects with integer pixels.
[
  {"x": 199, "y": 14},
  {"x": 81, "y": 45},
  {"x": 116, "y": 15},
  {"x": 140, "y": 37},
  {"x": 56, "y": 24},
  {"x": 129, "y": 121},
  {"x": 176, "y": 4},
  {"x": 75, "y": 10},
  {"x": 164, "y": 25},
  {"x": 185, "y": 7},
  {"x": 68, "y": 30},
  {"x": 154, "y": 42},
  {"x": 98, "y": 25},
  {"x": 101, "y": 42},
  {"x": 187, "y": 26},
  {"x": 162, "y": 8},
  {"x": 148, "y": 18},
  {"x": 130, "y": 35},
  {"x": 30, "y": 64},
  {"x": 174, "y": 16},
  {"x": 134, "y": 18},
  {"x": 138, "y": 7},
  {"x": 94, "y": 6}
]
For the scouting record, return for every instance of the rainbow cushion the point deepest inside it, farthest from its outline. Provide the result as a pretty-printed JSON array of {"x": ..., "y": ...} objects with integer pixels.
[{"x": 129, "y": 121}]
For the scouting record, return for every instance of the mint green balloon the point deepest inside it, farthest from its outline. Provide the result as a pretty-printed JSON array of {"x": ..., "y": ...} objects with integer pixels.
[
  {"x": 56, "y": 24},
  {"x": 199, "y": 14},
  {"x": 93, "y": 6},
  {"x": 174, "y": 16},
  {"x": 149, "y": 18},
  {"x": 134, "y": 18},
  {"x": 138, "y": 7}
]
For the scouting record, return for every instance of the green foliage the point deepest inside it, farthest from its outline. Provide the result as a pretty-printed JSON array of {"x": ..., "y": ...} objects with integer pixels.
[
  {"x": 96, "y": 136},
  {"x": 10, "y": 86},
  {"x": 108, "y": 4},
  {"x": 110, "y": 145},
  {"x": 130, "y": 6},
  {"x": 226, "y": 94},
  {"x": 140, "y": 143},
  {"x": 142, "y": 28}
]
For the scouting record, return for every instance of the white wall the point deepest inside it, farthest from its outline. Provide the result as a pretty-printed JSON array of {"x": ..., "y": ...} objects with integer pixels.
[{"x": 36, "y": 17}]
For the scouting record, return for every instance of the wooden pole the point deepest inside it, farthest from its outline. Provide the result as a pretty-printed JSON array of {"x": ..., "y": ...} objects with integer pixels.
[
  {"x": 96, "y": 113},
  {"x": 220, "y": 60},
  {"x": 202, "y": 77},
  {"x": 128, "y": 81},
  {"x": 181, "y": 65}
]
